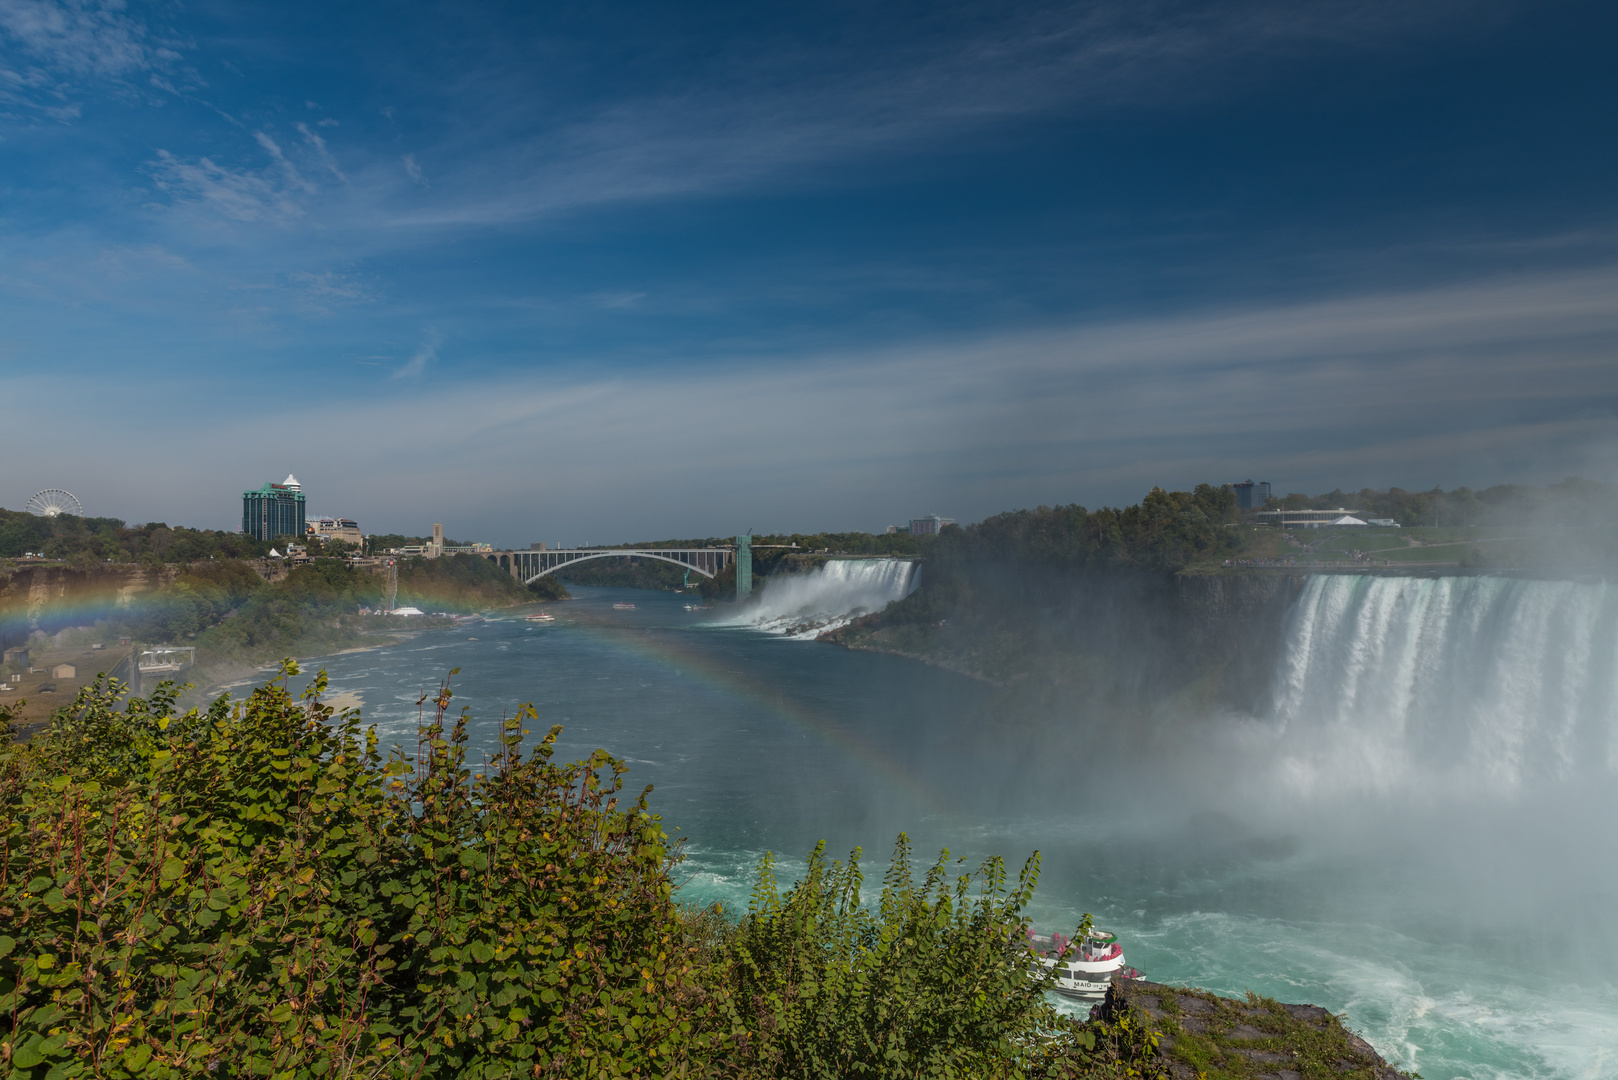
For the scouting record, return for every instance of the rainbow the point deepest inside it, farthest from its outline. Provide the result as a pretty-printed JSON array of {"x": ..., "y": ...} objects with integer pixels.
[
  {"x": 691, "y": 661},
  {"x": 19, "y": 618}
]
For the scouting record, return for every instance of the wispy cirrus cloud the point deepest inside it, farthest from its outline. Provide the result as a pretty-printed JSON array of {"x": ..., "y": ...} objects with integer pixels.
[
  {"x": 322, "y": 153},
  {"x": 244, "y": 195},
  {"x": 84, "y": 38},
  {"x": 327, "y": 290},
  {"x": 764, "y": 112},
  {"x": 426, "y": 353},
  {"x": 276, "y": 192},
  {"x": 59, "y": 46}
]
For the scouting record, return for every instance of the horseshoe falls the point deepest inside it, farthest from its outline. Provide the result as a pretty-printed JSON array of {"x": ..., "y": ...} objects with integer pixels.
[
  {"x": 1453, "y": 688},
  {"x": 1421, "y": 824}
]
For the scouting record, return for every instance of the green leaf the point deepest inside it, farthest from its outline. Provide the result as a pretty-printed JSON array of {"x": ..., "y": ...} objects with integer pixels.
[
  {"x": 135, "y": 1057},
  {"x": 6, "y": 945},
  {"x": 172, "y": 869},
  {"x": 29, "y": 1053}
]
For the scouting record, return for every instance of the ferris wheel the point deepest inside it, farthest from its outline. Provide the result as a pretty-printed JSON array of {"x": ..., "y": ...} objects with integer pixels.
[{"x": 53, "y": 501}]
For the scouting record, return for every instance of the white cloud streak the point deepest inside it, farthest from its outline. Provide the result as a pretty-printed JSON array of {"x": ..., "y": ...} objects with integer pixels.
[
  {"x": 244, "y": 195},
  {"x": 318, "y": 145},
  {"x": 276, "y": 193},
  {"x": 1475, "y": 385},
  {"x": 426, "y": 353},
  {"x": 775, "y": 111}
]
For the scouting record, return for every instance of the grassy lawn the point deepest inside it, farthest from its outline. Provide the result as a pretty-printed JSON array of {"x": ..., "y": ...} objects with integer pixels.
[{"x": 1468, "y": 546}]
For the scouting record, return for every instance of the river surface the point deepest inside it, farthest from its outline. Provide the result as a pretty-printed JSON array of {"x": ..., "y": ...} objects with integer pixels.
[{"x": 1440, "y": 953}]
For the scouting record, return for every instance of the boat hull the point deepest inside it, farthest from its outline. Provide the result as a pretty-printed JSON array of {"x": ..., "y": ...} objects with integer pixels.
[{"x": 1084, "y": 981}]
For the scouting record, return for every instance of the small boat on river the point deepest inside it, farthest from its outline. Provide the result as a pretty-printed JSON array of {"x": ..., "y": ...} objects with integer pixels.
[
  {"x": 1090, "y": 967},
  {"x": 542, "y": 617}
]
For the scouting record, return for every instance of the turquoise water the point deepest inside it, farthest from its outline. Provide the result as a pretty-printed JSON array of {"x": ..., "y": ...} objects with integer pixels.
[{"x": 1454, "y": 941}]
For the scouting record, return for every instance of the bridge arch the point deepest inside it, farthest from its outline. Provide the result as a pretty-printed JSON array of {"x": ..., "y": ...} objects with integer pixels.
[{"x": 616, "y": 555}]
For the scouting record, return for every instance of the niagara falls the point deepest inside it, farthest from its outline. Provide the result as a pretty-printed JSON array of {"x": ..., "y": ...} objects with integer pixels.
[{"x": 1034, "y": 540}]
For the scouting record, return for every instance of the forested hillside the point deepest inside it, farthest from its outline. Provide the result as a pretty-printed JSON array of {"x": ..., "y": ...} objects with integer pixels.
[
  {"x": 1062, "y": 591},
  {"x": 101, "y": 539}
]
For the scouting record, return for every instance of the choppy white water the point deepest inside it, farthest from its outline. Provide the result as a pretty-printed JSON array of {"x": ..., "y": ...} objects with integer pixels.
[{"x": 831, "y": 595}]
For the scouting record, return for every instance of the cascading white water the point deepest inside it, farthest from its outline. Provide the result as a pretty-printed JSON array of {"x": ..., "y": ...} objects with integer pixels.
[
  {"x": 832, "y": 595},
  {"x": 1468, "y": 686}
]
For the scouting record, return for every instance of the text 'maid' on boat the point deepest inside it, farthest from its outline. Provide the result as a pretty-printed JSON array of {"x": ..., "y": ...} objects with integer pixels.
[{"x": 1089, "y": 967}]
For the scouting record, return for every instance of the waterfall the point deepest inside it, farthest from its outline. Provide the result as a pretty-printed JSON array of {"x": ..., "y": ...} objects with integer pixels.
[
  {"x": 831, "y": 595},
  {"x": 1476, "y": 686}
]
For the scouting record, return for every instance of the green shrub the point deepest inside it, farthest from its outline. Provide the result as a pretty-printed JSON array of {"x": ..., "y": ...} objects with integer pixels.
[
  {"x": 259, "y": 890},
  {"x": 937, "y": 980}
]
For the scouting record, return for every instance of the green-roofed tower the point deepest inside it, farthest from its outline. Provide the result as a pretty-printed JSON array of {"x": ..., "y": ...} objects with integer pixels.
[{"x": 274, "y": 510}]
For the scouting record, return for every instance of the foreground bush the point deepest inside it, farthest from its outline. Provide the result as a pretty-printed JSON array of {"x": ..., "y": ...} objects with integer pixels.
[
  {"x": 259, "y": 890},
  {"x": 935, "y": 981}
]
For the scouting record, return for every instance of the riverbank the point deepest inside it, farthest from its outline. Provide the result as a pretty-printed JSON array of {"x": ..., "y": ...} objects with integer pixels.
[{"x": 921, "y": 658}]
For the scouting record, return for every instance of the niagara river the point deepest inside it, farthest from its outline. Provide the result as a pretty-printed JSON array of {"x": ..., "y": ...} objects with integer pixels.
[{"x": 1407, "y": 830}]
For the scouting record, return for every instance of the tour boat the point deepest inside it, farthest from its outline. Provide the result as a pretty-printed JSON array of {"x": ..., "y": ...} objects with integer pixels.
[
  {"x": 623, "y": 607},
  {"x": 1090, "y": 967},
  {"x": 542, "y": 617}
]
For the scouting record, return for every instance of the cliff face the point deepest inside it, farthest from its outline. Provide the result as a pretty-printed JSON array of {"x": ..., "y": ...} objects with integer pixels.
[
  {"x": 50, "y": 598},
  {"x": 1232, "y": 626},
  {"x": 1128, "y": 637}
]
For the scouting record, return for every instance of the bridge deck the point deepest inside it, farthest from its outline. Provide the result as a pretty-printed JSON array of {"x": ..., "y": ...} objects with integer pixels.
[{"x": 530, "y": 566}]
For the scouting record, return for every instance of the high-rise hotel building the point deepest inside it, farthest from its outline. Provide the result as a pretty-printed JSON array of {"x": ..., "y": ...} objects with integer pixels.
[{"x": 274, "y": 510}]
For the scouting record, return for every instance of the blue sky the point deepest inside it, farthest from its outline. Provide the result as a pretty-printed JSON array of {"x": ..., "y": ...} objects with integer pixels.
[{"x": 604, "y": 272}]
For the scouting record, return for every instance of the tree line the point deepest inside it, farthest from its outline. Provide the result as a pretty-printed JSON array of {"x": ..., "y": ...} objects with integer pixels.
[
  {"x": 1572, "y": 502},
  {"x": 104, "y": 539}
]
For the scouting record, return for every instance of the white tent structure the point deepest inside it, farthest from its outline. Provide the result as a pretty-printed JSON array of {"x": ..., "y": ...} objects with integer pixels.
[
  {"x": 1348, "y": 519},
  {"x": 407, "y": 611}
]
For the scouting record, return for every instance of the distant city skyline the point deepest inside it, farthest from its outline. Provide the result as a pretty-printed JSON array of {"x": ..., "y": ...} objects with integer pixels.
[{"x": 652, "y": 271}]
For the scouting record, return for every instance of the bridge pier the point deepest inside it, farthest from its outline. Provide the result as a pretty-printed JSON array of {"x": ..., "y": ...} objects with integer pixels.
[{"x": 744, "y": 567}]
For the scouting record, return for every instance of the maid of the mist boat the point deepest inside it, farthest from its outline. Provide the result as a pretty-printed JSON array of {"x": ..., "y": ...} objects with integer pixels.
[{"x": 1090, "y": 967}]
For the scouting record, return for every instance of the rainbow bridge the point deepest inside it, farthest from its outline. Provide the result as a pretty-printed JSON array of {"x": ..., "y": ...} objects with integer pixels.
[{"x": 529, "y": 566}]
